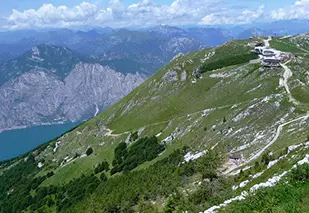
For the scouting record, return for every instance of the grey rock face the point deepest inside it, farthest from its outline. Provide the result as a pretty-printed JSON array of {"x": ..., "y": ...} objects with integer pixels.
[{"x": 39, "y": 96}]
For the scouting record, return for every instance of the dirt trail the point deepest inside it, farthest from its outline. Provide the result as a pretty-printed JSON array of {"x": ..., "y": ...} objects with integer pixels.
[
  {"x": 109, "y": 133},
  {"x": 286, "y": 75},
  {"x": 259, "y": 153},
  {"x": 266, "y": 41},
  {"x": 275, "y": 138},
  {"x": 279, "y": 129}
]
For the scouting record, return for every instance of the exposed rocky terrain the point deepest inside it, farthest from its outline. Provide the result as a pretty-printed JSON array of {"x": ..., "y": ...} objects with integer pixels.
[{"x": 54, "y": 85}]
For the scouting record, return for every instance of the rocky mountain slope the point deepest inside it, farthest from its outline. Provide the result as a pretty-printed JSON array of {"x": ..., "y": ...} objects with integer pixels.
[
  {"x": 209, "y": 132},
  {"x": 51, "y": 84}
]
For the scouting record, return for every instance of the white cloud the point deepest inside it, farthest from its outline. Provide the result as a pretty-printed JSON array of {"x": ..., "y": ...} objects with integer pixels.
[
  {"x": 147, "y": 13},
  {"x": 232, "y": 17},
  {"x": 299, "y": 10},
  {"x": 50, "y": 16},
  {"x": 302, "y": 2},
  {"x": 142, "y": 13}
]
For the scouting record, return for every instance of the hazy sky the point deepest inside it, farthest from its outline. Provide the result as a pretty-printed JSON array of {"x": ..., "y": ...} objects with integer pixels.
[{"x": 25, "y": 14}]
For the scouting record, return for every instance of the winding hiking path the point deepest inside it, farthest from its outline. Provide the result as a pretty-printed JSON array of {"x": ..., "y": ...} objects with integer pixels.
[
  {"x": 286, "y": 75},
  {"x": 279, "y": 129},
  {"x": 275, "y": 138}
]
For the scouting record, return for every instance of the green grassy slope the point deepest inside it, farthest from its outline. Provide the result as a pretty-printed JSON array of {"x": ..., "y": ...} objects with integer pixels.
[{"x": 233, "y": 109}]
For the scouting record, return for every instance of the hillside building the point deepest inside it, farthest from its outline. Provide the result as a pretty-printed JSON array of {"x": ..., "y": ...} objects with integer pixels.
[
  {"x": 271, "y": 61},
  {"x": 235, "y": 156}
]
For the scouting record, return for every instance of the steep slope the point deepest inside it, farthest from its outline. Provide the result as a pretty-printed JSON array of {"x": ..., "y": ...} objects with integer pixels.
[
  {"x": 51, "y": 84},
  {"x": 59, "y": 59},
  {"x": 226, "y": 124}
]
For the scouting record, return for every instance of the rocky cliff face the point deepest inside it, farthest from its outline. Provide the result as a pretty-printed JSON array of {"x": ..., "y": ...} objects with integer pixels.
[{"x": 40, "y": 96}]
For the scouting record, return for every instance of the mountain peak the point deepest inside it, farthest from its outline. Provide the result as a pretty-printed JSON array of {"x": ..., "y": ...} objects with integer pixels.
[
  {"x": 166, "y": 30},
  {"x": 48, "y": 57}
]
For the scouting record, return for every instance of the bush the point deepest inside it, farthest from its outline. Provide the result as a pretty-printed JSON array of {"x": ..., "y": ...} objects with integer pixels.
[
  {"x": 89, "y": 151},
  {"x": 300, "y": 174},
  {"x": 208, "y": 165},
  {"x": 49, "y": 174},
  {"x": 266, "y": 158},
  {"x": 103, "y": 177},
  {"x": 104, "y": 166},
  {"x": 170, "y": 206},
  {"x": 134, "y": 136}
]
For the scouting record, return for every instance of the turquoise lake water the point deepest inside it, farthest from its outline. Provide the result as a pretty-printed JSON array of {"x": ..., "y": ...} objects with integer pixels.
[{"x": 17, "y": 142}]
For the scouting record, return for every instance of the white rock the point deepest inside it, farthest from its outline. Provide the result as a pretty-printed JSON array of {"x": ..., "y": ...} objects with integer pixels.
[
  {"x": 183, "y": 76},
  {"x": 243, "y": 184},
  {"x": 269, "y": 183},
  {"x": 293, "y": 147},
  {"x": 56, "y": 146},
  {"x": 257, "y": 175},
  {"x": 189, "y": 156},
  {"x": 271, "y": 163},
  {"x": 160, "y": 133}
]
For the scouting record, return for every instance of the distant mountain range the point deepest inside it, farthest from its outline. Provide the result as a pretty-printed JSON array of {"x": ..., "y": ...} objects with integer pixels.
[
  {"x": 114, "y": 44},
  {"x": 52, "y": 84},
  {"x": 125, "y": 50},
  {"x": 67, "y": 75}
]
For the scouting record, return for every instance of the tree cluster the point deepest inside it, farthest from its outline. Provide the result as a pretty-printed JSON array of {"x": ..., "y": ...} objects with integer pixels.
[
  {"x": 228, "y": 61},
  {"x": 104, "y": 166},
  {"x": 128, "y": 158}
]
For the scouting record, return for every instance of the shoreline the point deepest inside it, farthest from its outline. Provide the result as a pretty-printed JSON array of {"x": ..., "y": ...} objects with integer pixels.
[{"x": 34, "y": 125}]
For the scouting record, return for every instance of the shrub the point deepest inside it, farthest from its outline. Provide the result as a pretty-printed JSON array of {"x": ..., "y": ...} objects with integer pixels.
[
  {"x": 134, "y": 136},
  {"x": 103, "y": 177},
  {"x": 266, "y": 158},
  {"x": 104, "y": 166},
  {"x": 208, "y": 165},
  {"x": 89, "y": 151},
  {"x": 49, "y": 174},
  {"x": 300, "y": 174}
]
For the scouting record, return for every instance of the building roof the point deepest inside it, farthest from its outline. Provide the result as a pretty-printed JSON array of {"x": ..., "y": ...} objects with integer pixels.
[
  {"x": 272, "y": 58},
  {"x": 260, "y": 44},
  {"x": 235, "y": 156}
]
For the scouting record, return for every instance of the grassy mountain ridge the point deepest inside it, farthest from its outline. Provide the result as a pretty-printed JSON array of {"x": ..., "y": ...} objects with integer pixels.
[{"x": 240, "y": 109}]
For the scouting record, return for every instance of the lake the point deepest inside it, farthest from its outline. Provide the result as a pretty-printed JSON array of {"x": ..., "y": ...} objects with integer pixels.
[{"x": 20, "y": 141}]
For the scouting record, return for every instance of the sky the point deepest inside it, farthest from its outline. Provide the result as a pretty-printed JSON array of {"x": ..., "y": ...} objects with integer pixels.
[{"x": 37, "y": 14}]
